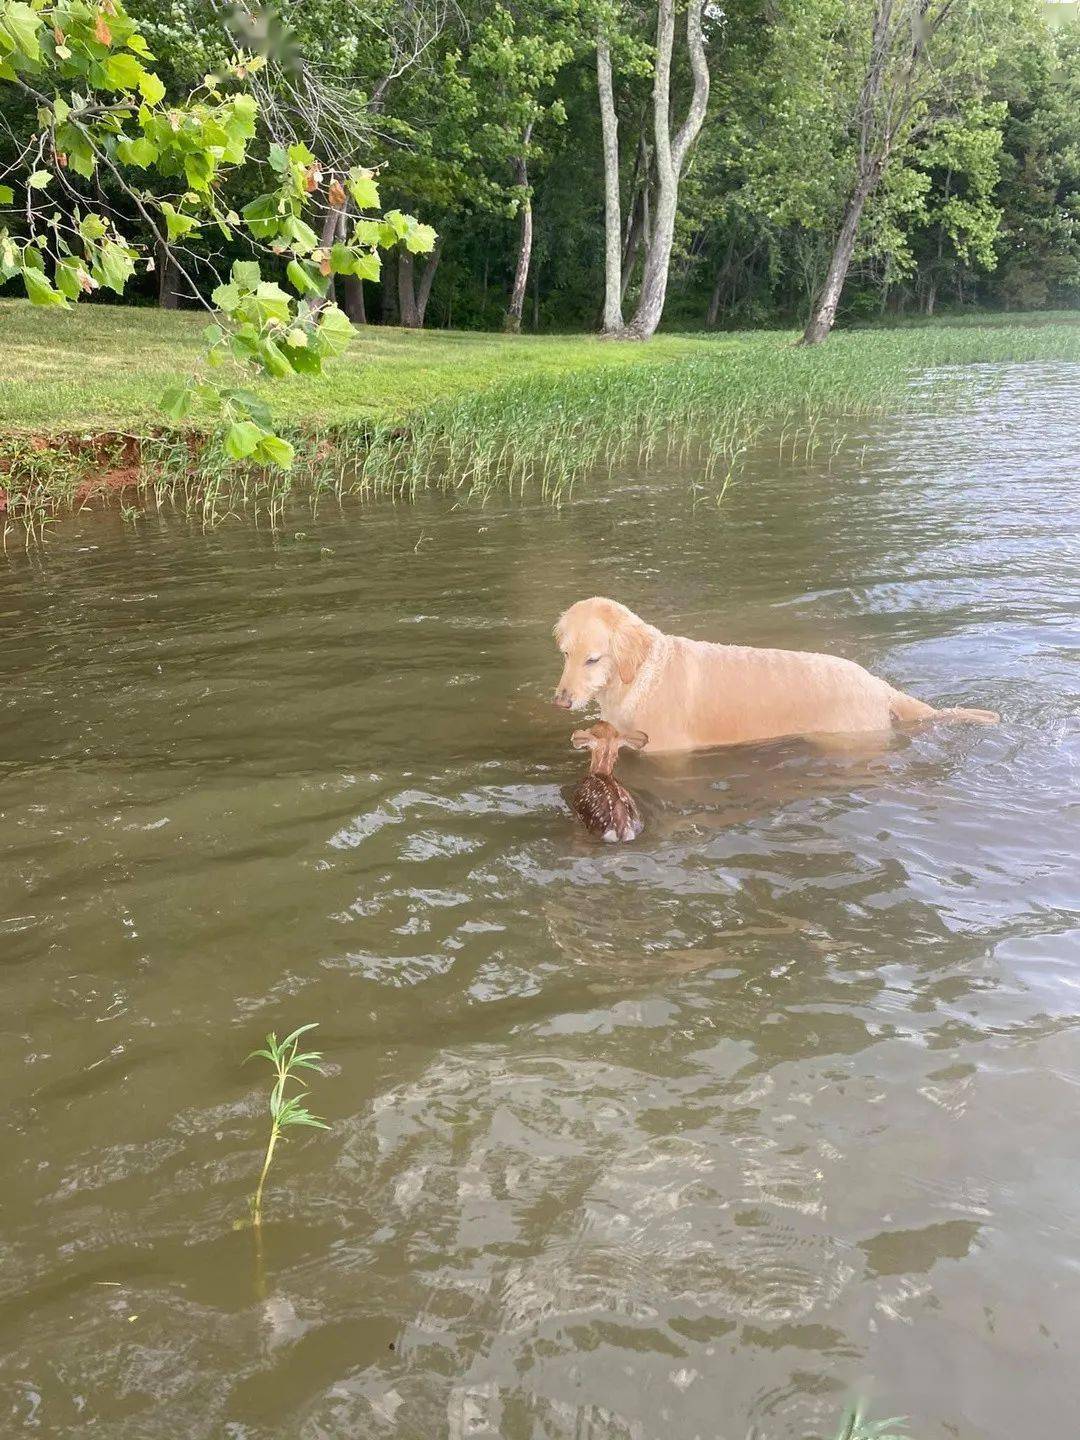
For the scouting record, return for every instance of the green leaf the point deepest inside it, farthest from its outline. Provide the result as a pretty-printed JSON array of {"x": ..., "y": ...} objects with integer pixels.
[
  {"x": 276, "y": 451},
  {"x": 244, "y": 344},
  {"x": 301, "y": 1117},
  {"x": 67, "y": 278},
  {"x": 123, "y": 72},
  {"x": 38, "y": 180},
  {"x": 199, "y": 169},
  {"x": 254, "y": 405},
  {"x": 271, "y": 290},
  {"x": 80, "y": 153},
  {"x": 150, "y": 87},
  {"x": 420, "y": 239},
  {"x": 115, "y": 266},
  {"x": 300, "y": 1030},
  {"x": 302, "y": 280},
  {"x": 176, "y": 402},
  {"x": 178, "y": 225},
  {"x": 342, "y": 260},
  {"x": 22, "y": 25},
  {"x": 398, "y": 223},
  {"x": 279, "y": 160},
  {"x": 275, "y": 360},
  {"x": 368, "y": 266},
  {"x": 335, "y": 331},
  {"x": 92, "y": 227},
  {"x": 262, "y": 217},
  {"x": 303, "y": 238},
  {"x": 367, "y": 232},
  {"x": 241, "y": 438},
  {"x": 39, "y": 291},
  {"x": 246, "y": 274},
  {"x": 7, "y": 195},
  {"x": 140, "y": 152},
  {"x": 226, "y": 297},
  {"x": 270, "y": 303},
  {"x": 305, "y": 359},
  {"x": 363, "y": 189}
]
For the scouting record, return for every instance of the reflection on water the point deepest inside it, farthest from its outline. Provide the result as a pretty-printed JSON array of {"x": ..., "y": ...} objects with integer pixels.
[{"x": 695, "y": 1137}]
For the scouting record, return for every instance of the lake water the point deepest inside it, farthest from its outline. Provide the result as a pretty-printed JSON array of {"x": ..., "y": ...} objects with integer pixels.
[{"x": 697, "y": 1139}]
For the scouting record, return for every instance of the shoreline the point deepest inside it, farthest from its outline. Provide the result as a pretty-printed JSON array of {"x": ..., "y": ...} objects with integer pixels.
[{"x": 514, "y": 411}]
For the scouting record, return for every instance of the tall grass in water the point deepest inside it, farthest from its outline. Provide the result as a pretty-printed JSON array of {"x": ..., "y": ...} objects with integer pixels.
[
  {"x": 701, "y": 410},
  {"x": 549, "y": 429},
  {"x": 856, "y": 1426},
  {"x": 285, "y": 1110}
]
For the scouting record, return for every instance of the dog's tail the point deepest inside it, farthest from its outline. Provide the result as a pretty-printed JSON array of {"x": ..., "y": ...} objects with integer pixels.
[
  {"x": 968, "y": 716},
  {"x": 907, "y": 710}
]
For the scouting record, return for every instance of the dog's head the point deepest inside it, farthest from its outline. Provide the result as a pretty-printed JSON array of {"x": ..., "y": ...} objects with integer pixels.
[{"x": 603, "y": 644}]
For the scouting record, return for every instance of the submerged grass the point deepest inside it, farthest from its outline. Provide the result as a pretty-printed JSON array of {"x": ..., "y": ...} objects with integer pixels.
[
  {"x": 856, "y": 1425},
  {"x": 524, "y": 413}
]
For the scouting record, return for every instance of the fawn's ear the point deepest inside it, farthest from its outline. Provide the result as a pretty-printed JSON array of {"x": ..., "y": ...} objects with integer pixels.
[
  {"x": 582, "y": 740},
  {"x": 634, "y": 740}
]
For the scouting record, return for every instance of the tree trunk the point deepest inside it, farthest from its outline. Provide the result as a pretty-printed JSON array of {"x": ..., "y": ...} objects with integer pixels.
[
  {"x": 406, "y": 289},
  {"x": 633, "y": 240},
  {"x": 670, "y": 157},
  {"x": 613, "y": 320},
  {"x": 512, "y": 323},
  {"x": 168, "y": 280},
  {"x": 388, "y": 295},
  {"x": 521, "y": 274},
  {"x": 536, "y": 299},
  {"x": 427, "y": 278},
  {"x": 334, "y": 219},
  {"x": 713, "y": 313},
  {"x": 824, "y": 316},
  {"x": 412, "y": 300},
  {"x": 352, "y": 299}
]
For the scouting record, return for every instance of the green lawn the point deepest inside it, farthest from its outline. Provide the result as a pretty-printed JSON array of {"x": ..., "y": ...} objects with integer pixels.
[{"x": 105, "y": 366}]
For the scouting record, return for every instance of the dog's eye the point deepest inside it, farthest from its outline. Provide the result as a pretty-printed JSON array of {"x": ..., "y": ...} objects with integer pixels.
[{"x": 593, "y": 660}]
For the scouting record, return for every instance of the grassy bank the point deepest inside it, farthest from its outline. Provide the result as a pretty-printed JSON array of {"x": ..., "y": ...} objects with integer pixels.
[
  {"x": 405, "y": 409},
  {"x": 103, "y": 367}
]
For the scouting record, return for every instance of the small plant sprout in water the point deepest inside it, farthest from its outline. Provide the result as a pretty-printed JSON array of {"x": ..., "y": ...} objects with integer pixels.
[
  {"x": 856, "y": 1426},
  {"x": 285, "y": 1110}
]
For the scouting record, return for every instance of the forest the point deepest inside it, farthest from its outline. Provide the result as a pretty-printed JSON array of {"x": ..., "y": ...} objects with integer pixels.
[{"x": 596, "y": 164}]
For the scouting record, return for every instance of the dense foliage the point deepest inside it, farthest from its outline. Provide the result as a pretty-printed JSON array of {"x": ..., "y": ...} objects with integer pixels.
[
  {"x": 483, "y": 119},
  {"x": 109, "y": 173}
]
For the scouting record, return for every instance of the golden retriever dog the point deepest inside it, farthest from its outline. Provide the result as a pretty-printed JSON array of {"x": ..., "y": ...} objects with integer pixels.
[{"x": 687, "y": 694}]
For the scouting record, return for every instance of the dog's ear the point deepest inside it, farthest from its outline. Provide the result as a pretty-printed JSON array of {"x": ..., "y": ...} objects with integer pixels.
[
  {"x": 630, "y": 645},
  {"x": 582, "y": 740},
  {"x": 634, "y": 740}
]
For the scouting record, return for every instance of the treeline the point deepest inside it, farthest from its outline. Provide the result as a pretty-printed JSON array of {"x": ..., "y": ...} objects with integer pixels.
[{"x": 600, "y": 163}]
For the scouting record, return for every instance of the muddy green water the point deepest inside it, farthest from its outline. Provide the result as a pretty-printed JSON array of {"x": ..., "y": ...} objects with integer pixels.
[{"x": 697, "y": 1138}]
